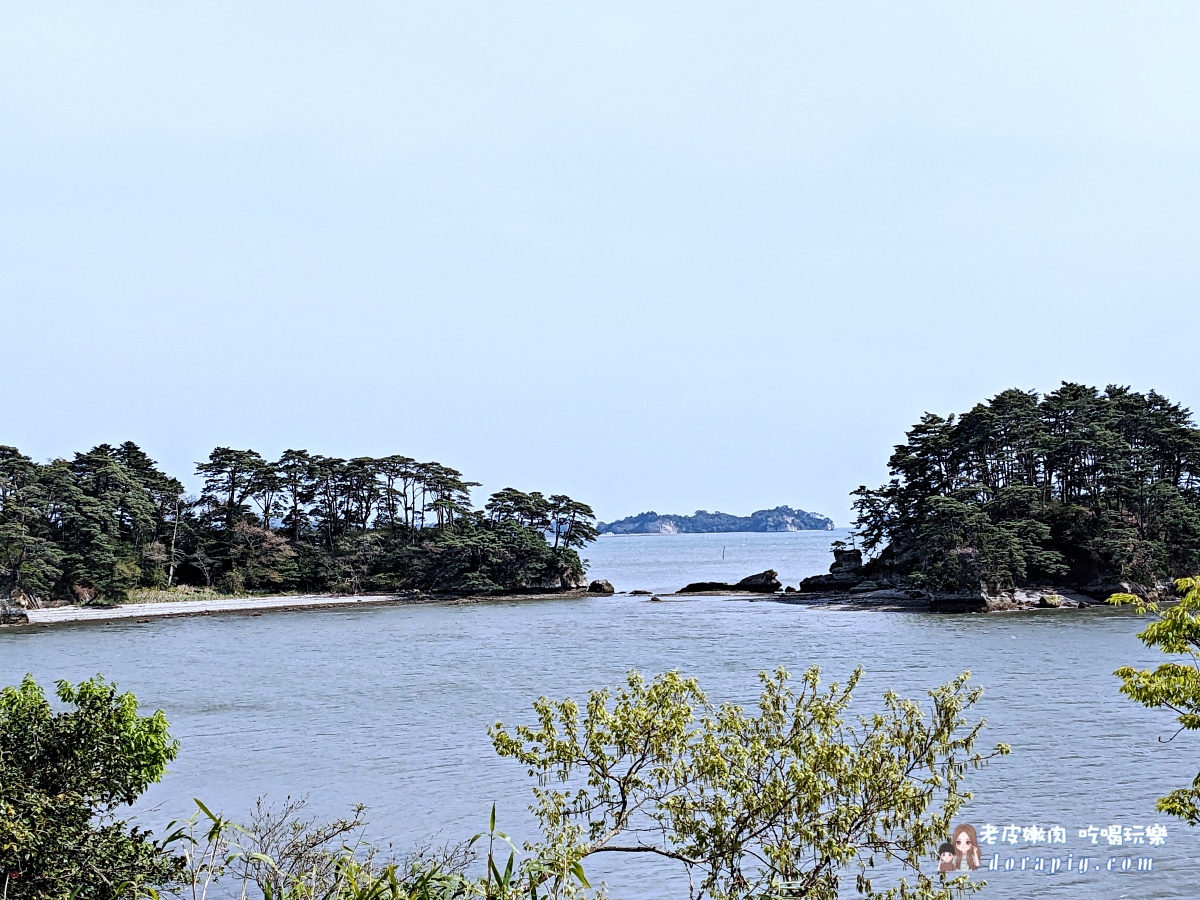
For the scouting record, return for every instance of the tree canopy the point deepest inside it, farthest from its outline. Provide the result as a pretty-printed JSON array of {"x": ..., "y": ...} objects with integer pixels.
[
  {"x": 1175, "y": 684},
  {"x": 788, "y": 800},
  {"x": 792, "y": 798},
  {"x": 95, "y": 527},
  {"x": 1078, "y": 487},
  {"x": 62, "y": 777}
]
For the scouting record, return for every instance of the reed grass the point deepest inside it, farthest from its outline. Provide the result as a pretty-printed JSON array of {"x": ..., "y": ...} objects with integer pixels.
[{"x": 179, "y": 594}]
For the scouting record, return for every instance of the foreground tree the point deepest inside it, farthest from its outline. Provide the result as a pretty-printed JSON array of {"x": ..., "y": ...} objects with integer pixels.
[
  {"x": 1175, "y": 684},
  {"x": 781, "y": 803},
  {"x": 63, "y": 776}
]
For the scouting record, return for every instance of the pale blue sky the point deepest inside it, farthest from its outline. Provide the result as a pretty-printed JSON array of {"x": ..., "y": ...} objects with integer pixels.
[{"x": 666, "y": 258}]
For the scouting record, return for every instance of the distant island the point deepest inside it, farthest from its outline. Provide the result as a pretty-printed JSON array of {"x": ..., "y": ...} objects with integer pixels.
[{"x": 781, "y": 518}]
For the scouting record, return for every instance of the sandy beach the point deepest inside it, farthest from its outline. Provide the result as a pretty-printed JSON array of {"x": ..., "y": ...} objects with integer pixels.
[{"x": 65, "y": 615}]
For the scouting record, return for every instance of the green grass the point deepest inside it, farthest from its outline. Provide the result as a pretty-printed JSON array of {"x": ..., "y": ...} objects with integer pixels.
[{"x": 177, "y": 594}]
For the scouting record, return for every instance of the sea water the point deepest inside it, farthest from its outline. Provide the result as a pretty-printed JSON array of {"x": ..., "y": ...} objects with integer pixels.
[{"x": 389, "y": 706}]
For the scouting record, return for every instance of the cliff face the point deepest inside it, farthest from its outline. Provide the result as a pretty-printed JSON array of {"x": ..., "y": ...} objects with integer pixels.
[{"x": 781, "y": 518}]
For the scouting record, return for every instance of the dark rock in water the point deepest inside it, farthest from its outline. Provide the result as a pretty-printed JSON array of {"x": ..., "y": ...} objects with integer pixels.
[
  {"x": 706, "y": 587},
  {"x": 763, "y": 583},
  {"x": 845, "y": 574},
  {"x": 789, "y": 590},
  {"x": 958, "y": 603},
  {"x": 1056, "y": 601},
  {"x": 12, "y": 614},
  {"x": 846, "y": 561},
  {"x": 639, "y": 593},
  {"x": 840, "y": 581},
  {"x": 601, "y": 586}
]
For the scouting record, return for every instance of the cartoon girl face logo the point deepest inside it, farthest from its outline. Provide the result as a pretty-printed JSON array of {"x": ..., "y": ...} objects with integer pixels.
[{"x": 966, "y": 848}]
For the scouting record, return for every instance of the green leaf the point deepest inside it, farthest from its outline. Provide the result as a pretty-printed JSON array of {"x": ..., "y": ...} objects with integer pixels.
[{"x": 577, "y": 871}]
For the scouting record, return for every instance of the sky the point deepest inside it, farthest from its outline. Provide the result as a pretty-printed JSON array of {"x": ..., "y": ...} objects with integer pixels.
[{"x": 675, "y": 256}]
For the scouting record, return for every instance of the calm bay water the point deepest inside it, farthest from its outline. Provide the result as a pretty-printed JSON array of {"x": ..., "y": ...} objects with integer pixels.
[
  {"x": 389, "y": 706},
  {"x": 665, "y": 563}
]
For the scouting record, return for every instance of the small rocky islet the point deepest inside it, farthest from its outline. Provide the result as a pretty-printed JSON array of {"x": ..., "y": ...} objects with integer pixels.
[
  {"x": 851, "y": 583},
  {"x": 855, "y": 584}
]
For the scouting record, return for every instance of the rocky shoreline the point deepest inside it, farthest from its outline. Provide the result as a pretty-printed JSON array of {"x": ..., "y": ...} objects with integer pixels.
[
  {"x": 851, "y": 585},
  {"x": 911, "y": 600}
]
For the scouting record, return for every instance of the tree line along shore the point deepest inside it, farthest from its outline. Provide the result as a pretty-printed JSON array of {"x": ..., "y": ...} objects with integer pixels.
[
  {"x": 1079, "y": 489},
  {"x": 109, "y": 523}
]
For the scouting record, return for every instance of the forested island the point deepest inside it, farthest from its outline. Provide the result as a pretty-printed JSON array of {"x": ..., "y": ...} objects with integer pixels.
[
  {"x": 94, "y": 528},
  {"x": 1079, "y": 490},
  {"x": 781, "y": 518}
]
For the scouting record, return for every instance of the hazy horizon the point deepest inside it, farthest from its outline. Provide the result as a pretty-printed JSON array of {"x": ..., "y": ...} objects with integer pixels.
[{"x": 678, "y": 258}]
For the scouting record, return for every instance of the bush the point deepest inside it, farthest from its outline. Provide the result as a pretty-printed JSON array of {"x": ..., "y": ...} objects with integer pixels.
[{"x": 63, "y": 776}]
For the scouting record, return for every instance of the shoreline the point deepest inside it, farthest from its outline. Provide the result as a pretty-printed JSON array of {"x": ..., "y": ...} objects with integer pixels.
[
  {"x": 883, "y": 601},
  {"x": 889, "y": 602},
  {"x": 138, "y": 612}
]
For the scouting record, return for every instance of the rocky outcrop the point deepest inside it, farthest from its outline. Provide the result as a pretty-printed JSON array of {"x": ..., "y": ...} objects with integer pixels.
[
  {"x": 572, "y": 581},
  {"x": 846, "y": 574},
  {"x": 846, "y": 559},
  {"x": 705, "y": 587},
  {"x": 1101, "y": 590},
  {"x": 781, "y": 518},
  {"x": 561, "y": 581},
  {"x": 898, "y": 565},
  {"x": 763, "y": 583},
  {"x": 880, "y": 584},
  {"x": 601, "y": 586},
  {"x": 11, "y": 614},
  {"x": 890, "y": 595},
  {"x": 835, "y": 581},
  {"x": 1011, "y": 600},
  {"x": 855, "y": 585}
]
